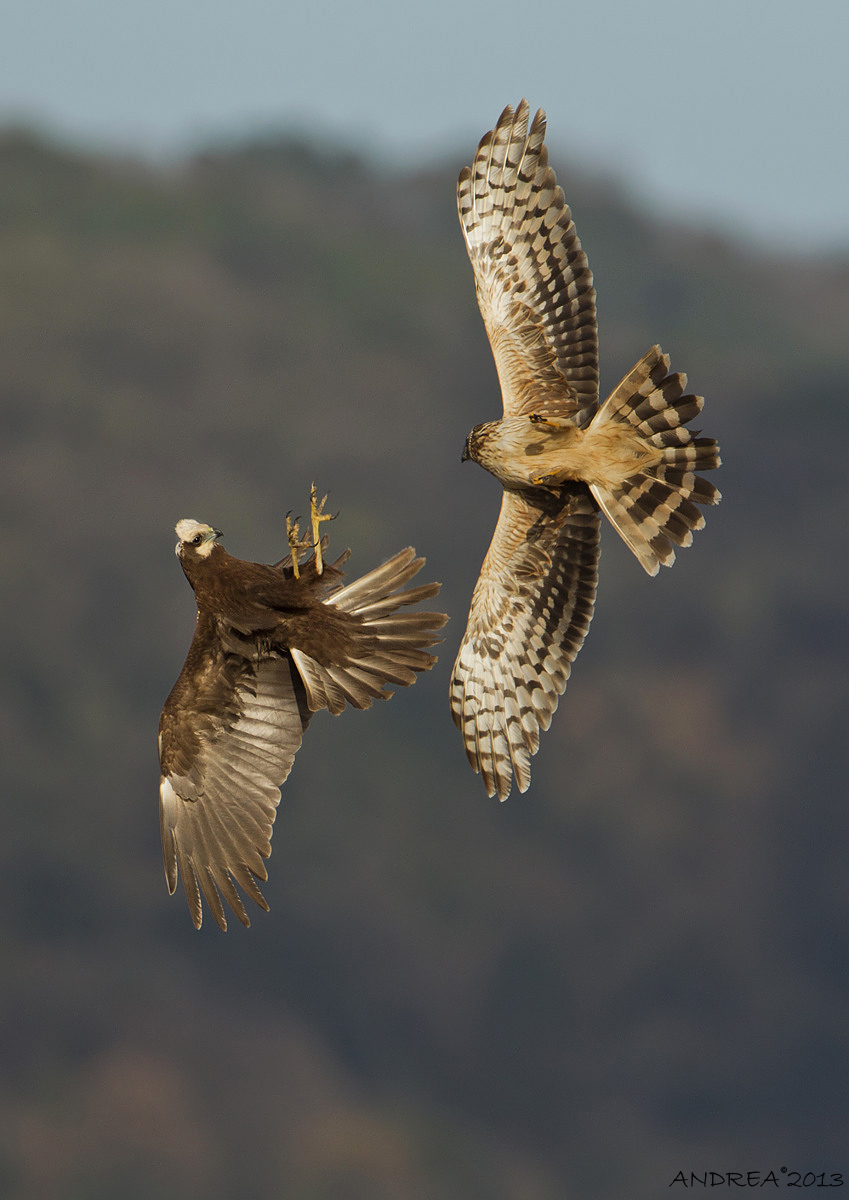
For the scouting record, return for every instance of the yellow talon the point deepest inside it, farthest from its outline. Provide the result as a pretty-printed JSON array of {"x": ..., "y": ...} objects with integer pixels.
[
  {"x": 551, "y": 480},
  {"x": 293, "y": 536},
  {"x": 317, "y": 515},
  {"x": 556, "y": 423}
]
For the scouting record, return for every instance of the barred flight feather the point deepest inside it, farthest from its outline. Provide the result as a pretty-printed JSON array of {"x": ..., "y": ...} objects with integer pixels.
[
  {"x": 530, "y": 613},
  {"x": 533, "y": 281}
]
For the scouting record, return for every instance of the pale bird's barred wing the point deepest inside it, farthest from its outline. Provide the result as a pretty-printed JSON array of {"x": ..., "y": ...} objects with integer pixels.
[
  {"x": 533, "y": 283},
  {"x": 530, "y": 613},
  {"x": 227, "y": 744}
]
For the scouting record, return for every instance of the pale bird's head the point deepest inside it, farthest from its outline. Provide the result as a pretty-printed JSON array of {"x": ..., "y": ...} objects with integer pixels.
[
  {"x": 195, "y": 539},
  {"x": 474, "y": 442}
]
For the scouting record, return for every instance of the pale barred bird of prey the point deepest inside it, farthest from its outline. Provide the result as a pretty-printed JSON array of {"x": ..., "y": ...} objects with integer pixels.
[
  {"x": 559, "y": 455},
  {"x": 272, "y": 645}
]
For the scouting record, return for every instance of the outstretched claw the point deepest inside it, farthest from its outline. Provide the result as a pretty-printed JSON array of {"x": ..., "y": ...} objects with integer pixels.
[
  {"x": 317, "y": 515},
  {"x": 296, "y": 543}
]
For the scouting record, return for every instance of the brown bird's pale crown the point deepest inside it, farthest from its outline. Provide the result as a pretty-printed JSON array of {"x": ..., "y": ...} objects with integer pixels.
[
  {"x": 200, "y": 537},
  {"x": 559, "y": 455},
  {"x": 272, "y": 645}
]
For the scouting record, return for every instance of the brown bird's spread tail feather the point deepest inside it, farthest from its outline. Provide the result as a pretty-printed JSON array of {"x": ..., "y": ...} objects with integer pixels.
[
  {"x": 654, "y": 509},
  {"x": 389, "y": 646}
]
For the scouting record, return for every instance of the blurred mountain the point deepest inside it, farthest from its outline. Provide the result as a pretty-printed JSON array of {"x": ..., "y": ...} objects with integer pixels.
[{"x": 639, "y": 968}]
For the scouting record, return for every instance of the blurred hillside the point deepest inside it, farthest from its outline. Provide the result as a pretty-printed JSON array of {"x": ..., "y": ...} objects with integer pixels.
[{"x": 641, "y": 966}]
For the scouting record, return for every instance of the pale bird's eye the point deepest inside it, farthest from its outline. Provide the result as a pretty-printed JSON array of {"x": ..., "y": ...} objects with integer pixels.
[{"x": 197, "y": 539}]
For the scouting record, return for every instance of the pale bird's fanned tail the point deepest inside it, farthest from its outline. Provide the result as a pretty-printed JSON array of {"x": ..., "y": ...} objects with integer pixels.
[
  {"x": 655, "y": 509},
  {"x": 391, "y": 648}
]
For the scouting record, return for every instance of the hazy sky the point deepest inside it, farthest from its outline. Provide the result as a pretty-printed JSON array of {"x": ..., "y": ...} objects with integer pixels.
[{"x": 732, "y": 110}]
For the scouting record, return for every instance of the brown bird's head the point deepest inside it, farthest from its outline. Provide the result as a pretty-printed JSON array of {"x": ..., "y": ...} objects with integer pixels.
[{"x": 196, "y": 541}]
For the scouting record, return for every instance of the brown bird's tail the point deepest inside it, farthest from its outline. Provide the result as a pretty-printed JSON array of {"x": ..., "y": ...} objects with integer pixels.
[
  {"x": 387, "y": 646},
  {"x": 654, "y": 509}
]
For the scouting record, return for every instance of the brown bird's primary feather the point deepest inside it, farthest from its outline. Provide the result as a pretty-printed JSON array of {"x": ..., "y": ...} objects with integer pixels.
[
  {"x": 559, "y": 456},
  {"x": 269, "y": 650}
]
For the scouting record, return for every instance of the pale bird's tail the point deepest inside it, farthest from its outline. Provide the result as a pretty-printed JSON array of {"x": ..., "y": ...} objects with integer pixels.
[
  {"x": 655, "y": 509},
  {"x": 384, "y": 647}
]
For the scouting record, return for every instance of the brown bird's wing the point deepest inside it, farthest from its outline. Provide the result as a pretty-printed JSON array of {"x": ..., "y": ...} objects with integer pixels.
[
  {"x": 530, "y": 613},
  {"x": 533, "y": 283},
  {"x": 229, "y": 733}
]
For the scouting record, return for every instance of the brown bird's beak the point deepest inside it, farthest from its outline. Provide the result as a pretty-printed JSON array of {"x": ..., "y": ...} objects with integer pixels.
[{"x": 465, "y": 455}]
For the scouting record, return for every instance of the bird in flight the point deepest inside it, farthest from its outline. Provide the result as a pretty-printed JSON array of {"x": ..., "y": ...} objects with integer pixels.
[
  {"x": 559, "y": 455},
  {"x": 272, "y": 645}
]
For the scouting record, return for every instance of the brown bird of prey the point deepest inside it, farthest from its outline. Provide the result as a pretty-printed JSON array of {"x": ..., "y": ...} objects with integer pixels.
[
  {"x": 272, "y": 645},
  {"x": 559, "y": 455}
]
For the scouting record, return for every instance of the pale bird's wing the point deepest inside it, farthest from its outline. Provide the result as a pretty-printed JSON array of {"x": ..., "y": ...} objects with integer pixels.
[
  {"x": 530, "y": 613},
  {"x": 533, "y": 283},
  {"x": 229, "y": 733}
]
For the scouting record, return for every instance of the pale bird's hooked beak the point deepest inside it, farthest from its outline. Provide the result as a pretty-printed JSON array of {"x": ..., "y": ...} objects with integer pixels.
[{"x": 217, "y": 533}]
